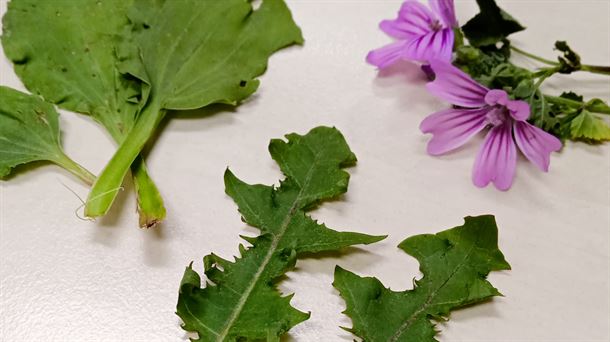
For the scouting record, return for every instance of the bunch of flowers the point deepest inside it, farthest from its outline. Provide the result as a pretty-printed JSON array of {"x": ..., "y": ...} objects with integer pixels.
[{"x": 489, "y": 92}]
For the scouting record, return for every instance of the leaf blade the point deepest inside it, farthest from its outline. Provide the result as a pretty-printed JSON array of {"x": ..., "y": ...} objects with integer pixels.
[
  {"x": 491, "y": 25},
  {"x": 223, "y": 28},
  {"x": 29, "y": 132},
  {"x": 454, "y": 263},
  {"x": 243, "y": 302},
  {"x": 68, "y": 52}
]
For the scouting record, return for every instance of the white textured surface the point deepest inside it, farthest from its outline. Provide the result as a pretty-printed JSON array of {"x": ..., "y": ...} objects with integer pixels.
[{"x": 63, "y": 279}]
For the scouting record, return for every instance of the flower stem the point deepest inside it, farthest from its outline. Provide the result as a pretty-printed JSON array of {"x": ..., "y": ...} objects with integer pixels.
[
  {"x": 75, "y": 168},
  {"x": 594, "y": 69},
  {"x": 532, "y": 56},
  {"x": 576, "y": 104}
]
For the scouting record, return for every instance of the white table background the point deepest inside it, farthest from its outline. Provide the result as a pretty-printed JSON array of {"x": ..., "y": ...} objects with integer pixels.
[{"x": 63, "y": 279}]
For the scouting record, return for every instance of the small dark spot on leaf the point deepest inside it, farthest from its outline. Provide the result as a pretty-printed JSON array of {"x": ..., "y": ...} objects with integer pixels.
[
  {"x": 86, "y": 49},
  {"x": 93, "y": 75},
  {"x": 242, "y": 83},
  {"x": 145, "y": 26},
  {"x": 64, "y": 69},
  {"x": 22, "y": 60}
]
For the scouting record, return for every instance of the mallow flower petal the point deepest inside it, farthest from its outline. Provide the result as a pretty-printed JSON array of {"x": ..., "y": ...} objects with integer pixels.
[
  {"x": 496, "y": 97},
  {"x": 455, "y": 86},
  {"x": 497, "y": 159},
  {"x": 519, "y": 110},
  {"x": 536, "y": 144},
  {"x": 399, "y": 29},
  {"x": 434, "y": 45},
  {"x": 446, "y": 11},
  {"x": 452, "y": 128},
  {"x": 386, "y": 55},
  {"x": 416, "y": 17}
]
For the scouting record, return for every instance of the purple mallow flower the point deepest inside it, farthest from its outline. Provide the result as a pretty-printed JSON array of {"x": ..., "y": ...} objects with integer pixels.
[
  {"x": 423, "y": 34},
  {"x": 478, "y": 108}
]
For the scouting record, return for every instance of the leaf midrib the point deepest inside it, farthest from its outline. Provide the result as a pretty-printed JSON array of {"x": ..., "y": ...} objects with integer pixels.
[
  {"x": 403, "y": 327},
  {"x": 274, "y": 243}
]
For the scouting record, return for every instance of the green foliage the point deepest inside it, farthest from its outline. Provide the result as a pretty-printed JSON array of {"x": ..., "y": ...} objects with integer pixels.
[
  {"x": 29, "y": 131},
  {"x": 566, "y": 116},
  {"x": 190, "y": 54},
  {"x": 569, "y": 117},
  {"x": 66, "y": 51},
  {"x": 490, "y": 66},
  {"x": 587, "y": 126},
  {"x": 242, "y": 302},
  {"x": 454, "y": 264},
  {"x": 491, "y": 25}
]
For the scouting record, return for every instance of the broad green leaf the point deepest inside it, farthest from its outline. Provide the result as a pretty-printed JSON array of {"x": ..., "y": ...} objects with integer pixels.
[
  {"x": 242, "y": 302},
  {"x": 490, "y": 25},
  {"x": 66, "y": 51},
  {"x": 29, "y": 131},
  {"x": 587, "y": 126},
  {"x": 193, "y": 53},
  {"x": 454, "y": 264}
]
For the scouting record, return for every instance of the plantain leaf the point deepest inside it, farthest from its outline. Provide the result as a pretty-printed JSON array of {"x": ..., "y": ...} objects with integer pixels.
[
  {"x": 67, "y": 51},
  {"x": 454, "y": 264},
  {"x": 193, "y": 53},
  {"x": 29, "y": 132},
  {"x": 242, "y": 301}
]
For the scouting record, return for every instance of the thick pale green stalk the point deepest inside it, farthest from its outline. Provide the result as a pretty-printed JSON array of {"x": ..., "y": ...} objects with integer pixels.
[
  {"x": 110, "y": 180},
  {"x": 150, "y": 203}
]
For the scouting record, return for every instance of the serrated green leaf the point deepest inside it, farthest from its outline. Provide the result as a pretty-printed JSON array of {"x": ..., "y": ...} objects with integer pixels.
[
  {"x": 490, "y": 25},
  {"x": 29, "y": 132},
  {"x": 587, "y": 126},
  {"x": 193, "y": 53},
  {"x": 454, "y": 264},
  {"x": 67, "y": 51},
  {"x": 243, "y": 302}
]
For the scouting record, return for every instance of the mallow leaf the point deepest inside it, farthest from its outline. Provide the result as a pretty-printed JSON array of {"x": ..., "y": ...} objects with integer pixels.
[
  {"x": 454, "y": 264},
  {"x": 193, "y": 53},
  {"x": 29, "y": 132},
  {"x": 240, "y": 301},
  {"x": 570, "y": 117},
  {"x": 490, "y": 25},
  {"x": 587, "y": 126},
  {"x": 67, "y": 51}
]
